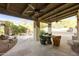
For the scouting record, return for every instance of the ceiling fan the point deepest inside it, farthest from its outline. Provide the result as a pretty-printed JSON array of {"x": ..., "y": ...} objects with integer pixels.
[{"x": 35, "y": 10}]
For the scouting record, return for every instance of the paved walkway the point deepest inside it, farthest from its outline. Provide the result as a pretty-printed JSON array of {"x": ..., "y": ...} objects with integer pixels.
[{"x": 31, "y": 47}]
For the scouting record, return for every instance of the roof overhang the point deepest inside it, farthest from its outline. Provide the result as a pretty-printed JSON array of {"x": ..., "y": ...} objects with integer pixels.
[{"x": 51, "y": 11}]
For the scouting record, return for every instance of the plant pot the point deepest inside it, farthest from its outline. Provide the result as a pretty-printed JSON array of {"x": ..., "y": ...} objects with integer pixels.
[{"x": 56, "y": 40}]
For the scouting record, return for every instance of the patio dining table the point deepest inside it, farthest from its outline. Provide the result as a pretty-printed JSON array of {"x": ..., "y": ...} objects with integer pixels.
[{"x": 48, "y": 39}]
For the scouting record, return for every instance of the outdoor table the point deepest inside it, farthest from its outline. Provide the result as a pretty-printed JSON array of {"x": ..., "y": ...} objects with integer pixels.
[{"x": 48, "y": 39}]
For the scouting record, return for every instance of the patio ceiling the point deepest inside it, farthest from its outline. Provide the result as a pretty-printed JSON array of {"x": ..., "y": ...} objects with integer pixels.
[{"x": 49, "y": 11}]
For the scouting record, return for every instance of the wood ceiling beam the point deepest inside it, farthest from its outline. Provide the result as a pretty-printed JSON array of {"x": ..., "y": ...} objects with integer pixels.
[
  {"x": 8, "y": 5},
  {"x": 63, "y": 12},
  {"x": 60, "y": 8},
  {"x": 26, "y": 9},
  {"x": 64, "y": 15},
  {"x": 23, "y": 13},
  {"x": 50, "y": 7},
  {"x": 46, "y": 21}
]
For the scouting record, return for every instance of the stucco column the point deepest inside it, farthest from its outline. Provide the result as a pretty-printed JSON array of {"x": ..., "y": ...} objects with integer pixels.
[
  {"x": 78, "y": 25},
  {"x": 50, "y": 27},
  {"x": 37, "y": 30}
]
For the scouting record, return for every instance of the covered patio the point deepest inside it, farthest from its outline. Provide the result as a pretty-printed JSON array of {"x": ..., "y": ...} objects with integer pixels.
[{"x": 41, "y": 12}]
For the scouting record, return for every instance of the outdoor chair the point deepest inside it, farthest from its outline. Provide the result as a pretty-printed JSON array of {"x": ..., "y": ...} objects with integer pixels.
[
  {"x": 56, "y": 40},
  {"x": 49, "y": 39}
]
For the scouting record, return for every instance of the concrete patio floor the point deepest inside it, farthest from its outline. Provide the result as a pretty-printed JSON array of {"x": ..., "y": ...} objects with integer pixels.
[{"x": 31, "y": 47}]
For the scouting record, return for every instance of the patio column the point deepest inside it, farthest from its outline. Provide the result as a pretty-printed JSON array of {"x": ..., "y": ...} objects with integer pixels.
[
  {"x": 78, "y": 25},
  {"x": 50, "y": 27},
  {"x": 36, "y": 30}
]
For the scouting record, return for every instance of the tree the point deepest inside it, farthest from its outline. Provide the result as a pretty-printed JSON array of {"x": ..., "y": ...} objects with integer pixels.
[
  {"x": 14, "y": 28},
  {"x": 21, "y": 29},
  {"x": 18, "y": 29}
]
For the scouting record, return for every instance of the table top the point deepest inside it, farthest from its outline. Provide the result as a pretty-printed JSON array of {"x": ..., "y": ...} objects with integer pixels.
[{"x": 46, "y": 35}]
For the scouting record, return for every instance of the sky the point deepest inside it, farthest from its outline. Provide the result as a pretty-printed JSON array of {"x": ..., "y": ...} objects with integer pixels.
[
  {"x": 18, "y": 20},
  {"x": 14, "y": 19}
]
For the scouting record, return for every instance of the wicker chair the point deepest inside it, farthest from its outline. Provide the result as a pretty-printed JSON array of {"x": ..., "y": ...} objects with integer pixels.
[{"x": 56, "y": 40}]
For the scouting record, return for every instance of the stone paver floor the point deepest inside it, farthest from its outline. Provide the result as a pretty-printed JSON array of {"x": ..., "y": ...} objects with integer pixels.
[{"x": 31, "y": 47}]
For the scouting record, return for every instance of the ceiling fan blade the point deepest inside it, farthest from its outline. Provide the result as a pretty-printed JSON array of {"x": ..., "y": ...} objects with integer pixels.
[
  {"x": 36, "y": 14},
  {"x": 42, "y": 11},
  {"x": 29, "y": 12},
  {"x": 31, "y": 6}
]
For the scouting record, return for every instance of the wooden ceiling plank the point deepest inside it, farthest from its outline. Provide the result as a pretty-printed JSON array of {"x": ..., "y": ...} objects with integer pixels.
[
  {"x": 55, "y": 10},
  {"x": 66, "y": 16},
  {"x": 63, "y": 15},
  {"x": 50, "y": 7},
  {"x": 63, "y": 12}
]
